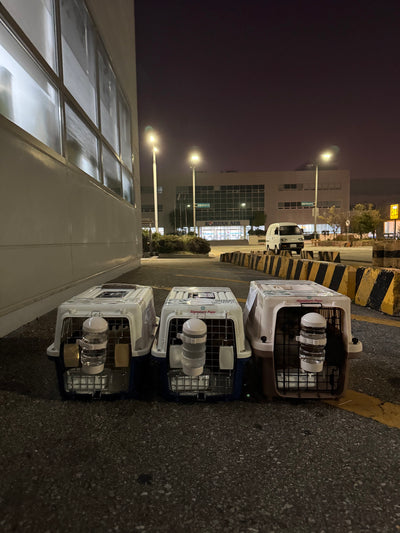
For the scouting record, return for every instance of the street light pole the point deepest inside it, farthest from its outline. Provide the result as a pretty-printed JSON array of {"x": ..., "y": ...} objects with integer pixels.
[
  {"x": 152, "y": 140},
  {"x": 194, "y": 198},
  {"x": 316, "y": 201},
  {"x": 155, "y": 188},
  {"x": 195, "y": 158},
  {"x": 326, "y": 156}
]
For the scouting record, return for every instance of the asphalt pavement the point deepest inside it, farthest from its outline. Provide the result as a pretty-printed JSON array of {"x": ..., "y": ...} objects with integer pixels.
[{"x": 154, "y": 466}]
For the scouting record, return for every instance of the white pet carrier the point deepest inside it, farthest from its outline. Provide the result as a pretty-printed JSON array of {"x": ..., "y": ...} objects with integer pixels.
[
  {"x": 200, "y": 344},
  {"x": 102, "y": 338},
  {"x": 300, "y": 332}
]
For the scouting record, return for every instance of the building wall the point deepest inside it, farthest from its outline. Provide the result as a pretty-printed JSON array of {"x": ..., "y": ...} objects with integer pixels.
[
  {"x": 63, "y": 230},
  {"x": 284, "y": 192}
]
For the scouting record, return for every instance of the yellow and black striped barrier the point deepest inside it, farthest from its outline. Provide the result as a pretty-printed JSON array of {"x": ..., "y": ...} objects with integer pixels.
[
  {"x": 328, "y": 255},
  {"x": 306, "y": 254},
  {"x": 377, "y": 288}
]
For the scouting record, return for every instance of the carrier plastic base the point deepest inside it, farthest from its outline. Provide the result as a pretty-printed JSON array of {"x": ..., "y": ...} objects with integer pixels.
[
  {"x": 209, "y": 386},
  {"x": 111, "y": 383},
  {"x": 331, "y": 383}
]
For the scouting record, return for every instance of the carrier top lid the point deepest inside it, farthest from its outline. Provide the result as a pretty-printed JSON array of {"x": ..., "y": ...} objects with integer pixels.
[
  {"x": 293, "y": 288},
  {"x": 201, "y": 296}
]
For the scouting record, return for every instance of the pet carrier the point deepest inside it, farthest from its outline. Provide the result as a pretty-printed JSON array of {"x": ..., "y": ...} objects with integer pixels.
[
  {"x": 102, "y": 338},
  {"x": 300, "y": 333},
  {"x": 200, "y": 344}
]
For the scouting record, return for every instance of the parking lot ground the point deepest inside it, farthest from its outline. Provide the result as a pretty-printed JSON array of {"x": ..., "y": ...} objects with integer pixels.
[{"x": 251, "y": 465}]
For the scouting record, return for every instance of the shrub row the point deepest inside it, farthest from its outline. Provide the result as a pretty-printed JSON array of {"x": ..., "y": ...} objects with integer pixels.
[{"x": 167, "y": 244}]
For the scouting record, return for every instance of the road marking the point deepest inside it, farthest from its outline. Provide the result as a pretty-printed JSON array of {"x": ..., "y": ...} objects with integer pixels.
[
  {"x": 382, "y": 321},
  {"x": 361, "y": 404}
]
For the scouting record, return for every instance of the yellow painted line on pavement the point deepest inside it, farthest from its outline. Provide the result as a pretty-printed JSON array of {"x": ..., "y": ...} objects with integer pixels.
[
  {"x": 357, "y": 402},
  {"x": 382, "y": 321}
]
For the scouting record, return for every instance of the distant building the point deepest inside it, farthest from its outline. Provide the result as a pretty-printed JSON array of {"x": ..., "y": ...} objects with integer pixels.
[
  {"x": 229, "y": 203},
  {"x": 70, "y": 192}
]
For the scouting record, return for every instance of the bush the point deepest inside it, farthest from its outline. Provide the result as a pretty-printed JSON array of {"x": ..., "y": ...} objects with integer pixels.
[
  {"x": 169, "y": 244},
  {"x": 196, "y": 245}
]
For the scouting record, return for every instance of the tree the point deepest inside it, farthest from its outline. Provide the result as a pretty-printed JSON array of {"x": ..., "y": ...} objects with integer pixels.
[
  {"x": 365, "y": 219},
  {"x": 335, "y": 218}
]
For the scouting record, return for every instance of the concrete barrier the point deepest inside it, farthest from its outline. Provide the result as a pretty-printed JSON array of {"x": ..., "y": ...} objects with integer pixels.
[
  {"x": 391, "y": 254},
  {"x": 377, "y": 254},
  {"x": 379, "y": 288},
  {"x": 327, "y": 255},
  {"x": 307, "y": 254},
  {"x": 386, "y": 254}
]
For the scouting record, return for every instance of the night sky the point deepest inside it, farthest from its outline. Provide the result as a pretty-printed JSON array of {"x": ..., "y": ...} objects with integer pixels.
[{"x": 266, "y": 85}]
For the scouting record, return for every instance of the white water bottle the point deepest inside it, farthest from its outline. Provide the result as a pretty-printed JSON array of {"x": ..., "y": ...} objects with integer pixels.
[
  {"x": 94, "y": 345},
  {"x": 194, "y": 337},
  {"x": 312, "y": 342}
]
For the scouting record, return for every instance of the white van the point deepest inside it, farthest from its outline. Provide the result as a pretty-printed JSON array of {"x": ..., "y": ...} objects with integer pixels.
[{"x": 284, "y": 236}]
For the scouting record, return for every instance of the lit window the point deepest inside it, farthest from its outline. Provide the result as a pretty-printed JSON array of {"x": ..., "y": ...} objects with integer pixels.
[
  {"x": 36, "y": 18},
  {"x": 27, "y": 97},
  {"x": 79, "y": 58},
  {"x": 82, "y": 148}
]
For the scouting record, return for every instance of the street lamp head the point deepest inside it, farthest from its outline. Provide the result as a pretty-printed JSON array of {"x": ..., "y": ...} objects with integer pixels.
[
  {"x": 194, "y": 158},
  {"x": 152, "y": 139},
  {"x": 326, "y": 156}
]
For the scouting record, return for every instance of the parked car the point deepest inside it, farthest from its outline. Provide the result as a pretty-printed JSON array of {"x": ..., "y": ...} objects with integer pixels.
[{"x": 284, "y": 236}]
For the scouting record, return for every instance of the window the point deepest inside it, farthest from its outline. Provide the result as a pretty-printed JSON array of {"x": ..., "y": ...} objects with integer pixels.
[
  {"x": 27, "y": 97},
  {"x": 36, "y": 18},
  {"x": 108, "y": 102},
  {"x": 111, "y": 172},
  {"x": 290, "y": 230},
  {"x": 82, "y": 146},
  {"x": 79, "y": 57},
  {"x": 125, "y": 132},
  {"x": 127, "y": 187},
  {"x": 97, "y": 114}
]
